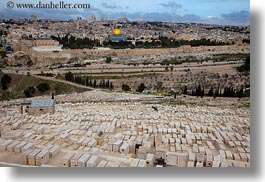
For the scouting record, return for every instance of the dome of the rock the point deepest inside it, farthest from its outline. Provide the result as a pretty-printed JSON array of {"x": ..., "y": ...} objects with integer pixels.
[{"x": 116, "y": 32}]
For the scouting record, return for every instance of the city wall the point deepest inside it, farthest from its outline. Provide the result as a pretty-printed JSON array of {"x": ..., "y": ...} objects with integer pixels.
[{"x": 46, "y": 58}]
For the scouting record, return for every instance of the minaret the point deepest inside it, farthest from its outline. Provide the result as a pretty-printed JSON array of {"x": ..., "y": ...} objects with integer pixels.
[{"x": 78, "y": 23}]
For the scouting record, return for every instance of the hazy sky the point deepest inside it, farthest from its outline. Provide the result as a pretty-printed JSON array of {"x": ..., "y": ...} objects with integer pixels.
[{"x": 235, "y": 12}]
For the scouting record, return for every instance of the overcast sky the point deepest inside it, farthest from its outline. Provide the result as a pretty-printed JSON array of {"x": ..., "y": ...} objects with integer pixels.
[{"x": 231, "y": 12}]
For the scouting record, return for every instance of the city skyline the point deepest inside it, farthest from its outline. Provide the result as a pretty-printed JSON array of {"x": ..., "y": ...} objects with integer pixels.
[{"x": 228, "y": 12}]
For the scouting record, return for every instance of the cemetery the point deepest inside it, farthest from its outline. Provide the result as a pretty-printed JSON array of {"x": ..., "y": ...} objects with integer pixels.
[{"x": 104, "y": 129}]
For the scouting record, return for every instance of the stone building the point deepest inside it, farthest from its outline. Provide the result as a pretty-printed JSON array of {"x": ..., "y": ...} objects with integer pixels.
[
  {"x": 26, "y": 44},
  {"x": 38, "y": 107},
  {"x": 117, "y": 36},
  {"x": 44, "y": 42}
]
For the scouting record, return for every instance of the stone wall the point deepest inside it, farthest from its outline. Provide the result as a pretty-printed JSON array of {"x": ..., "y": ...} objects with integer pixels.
[
  {"x": 41, "y": 110},
  {"x": 49, "y": 57}
]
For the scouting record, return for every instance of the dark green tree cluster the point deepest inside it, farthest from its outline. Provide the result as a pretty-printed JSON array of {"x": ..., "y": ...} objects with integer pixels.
[
  {"x": 46, "y": 74},
  {"x": 5, "y": 81},
  {"x": 2, "y": 54},
  {"x": 78, "y": 65},
  {"x": 227, "y": 92},
  {"x": 246, "y": 41},
  {"x": 231, "y": 92},
  {"x": 3, "y": 32},
  {"x": 30, "y": 63},
  {"x": 104, "y": 84},
  {"x": 217, "y": 92},
  {"x": 148, "y": 45},
  {"x": 199, "y": 91},
  {"x": 172, "y": 61},
  {"x": 202, "y": 42},
  {"x": 210, "y": 92},
  {"x": 126, "y": 88},
  {"x": 140, "y": 88},
  {"x": 163, "y": 42},
  {"x": 246, "y": 66},
  {"x": 43, "y": 87},
  {"x": 118, "y": 45},
  {"x": 87, "y": 81},
  {"x": 166, "y": 42},
  {"x": 69, "y": 76},
  {"x": 29, "y": 92},
  {"x": 71, "y": 42},
  {"x": 108, "y": 60}
]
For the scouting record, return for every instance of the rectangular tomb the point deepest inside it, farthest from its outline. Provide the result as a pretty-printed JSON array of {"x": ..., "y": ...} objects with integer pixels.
[{"x": 42, "y": 157}]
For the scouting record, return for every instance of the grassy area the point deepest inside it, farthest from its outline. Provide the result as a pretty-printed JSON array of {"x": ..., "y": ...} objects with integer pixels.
[
  {"x": 219, "y": 102},
  {"x": 229, "y": 57},
  {"x": 214, "y": 58},
  {"x": 20, "y": 83},
  {"x": 106, "y": 76}
]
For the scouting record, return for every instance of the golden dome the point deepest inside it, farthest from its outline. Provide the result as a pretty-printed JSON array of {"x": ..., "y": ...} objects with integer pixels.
[{"x": 116, "y": 32}]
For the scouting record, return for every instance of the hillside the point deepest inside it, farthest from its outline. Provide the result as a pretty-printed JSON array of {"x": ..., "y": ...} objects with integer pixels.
[{"x": 20, "y": 83}]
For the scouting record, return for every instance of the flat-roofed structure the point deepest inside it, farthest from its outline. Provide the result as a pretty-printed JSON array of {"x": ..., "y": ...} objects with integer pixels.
[{"x": 38, "y": 107}]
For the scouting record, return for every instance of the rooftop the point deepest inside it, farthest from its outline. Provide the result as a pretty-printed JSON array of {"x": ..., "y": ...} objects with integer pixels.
[{"x": 42, "y": 103}]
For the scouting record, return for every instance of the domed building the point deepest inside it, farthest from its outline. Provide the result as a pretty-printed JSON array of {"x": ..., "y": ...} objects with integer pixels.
[
  {"x": 117, "y": 36},
  {"x": 116, "y": 32}
]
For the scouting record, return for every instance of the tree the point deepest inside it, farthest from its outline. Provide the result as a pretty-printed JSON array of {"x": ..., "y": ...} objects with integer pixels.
[
  {"x": 141, "y": 88},
  {"x": 5, "y": 81},
  {"x": 246, "y": 66},
  {"x": 185, "y": 90},
  {"x": 90, "y": 83},
  {"x": 108, "y": 60},
  {"x": 29, "y": 92},
  {"x": 229, "y": 92},
  {"x": 69, "y": 76},
  {"x": 29, "y": 63},
  {"x": 2, "y": 54},
  {"x": 87, "y": 82},
  {"x": 111, "y": 86},
  {"x": 202, "y": 93},
  {"x": 240, "y": 93},
  {"x": 198, "y": 91},
  {"x": 193, "y": 92},
  {"x": 126, "y": 88},
  {"x": 216, "y": 93},
  {"x": 43, "y": 87},
  {"x": 210, "y": 93},
  {"x": 95, "y": 83}
]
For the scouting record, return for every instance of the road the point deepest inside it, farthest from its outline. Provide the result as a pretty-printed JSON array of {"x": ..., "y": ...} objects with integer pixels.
[{"x": 63, "y": 81}]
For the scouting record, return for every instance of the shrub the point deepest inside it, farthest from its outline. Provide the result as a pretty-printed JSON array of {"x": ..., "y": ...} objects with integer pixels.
[
  {"x": 43, "y": 87},
  {"x": 126, "y": 88},
  {"x": 5, "y": 81},
  {"x": 29, "y": 92}
]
